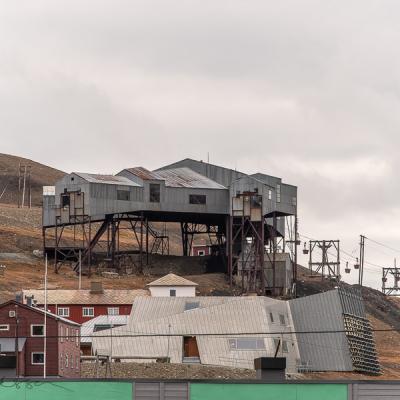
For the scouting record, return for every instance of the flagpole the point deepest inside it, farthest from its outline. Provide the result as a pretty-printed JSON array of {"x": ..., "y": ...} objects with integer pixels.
[{"x": 45, "y": 319}]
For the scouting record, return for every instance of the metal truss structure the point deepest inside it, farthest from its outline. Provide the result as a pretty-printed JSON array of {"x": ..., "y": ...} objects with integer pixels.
[
  {"x": 329, "y": 264},
  {"x": 394, "y": 289}
]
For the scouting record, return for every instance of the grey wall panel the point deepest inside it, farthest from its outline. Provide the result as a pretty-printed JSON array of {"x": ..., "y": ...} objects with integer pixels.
[
  {"x": 376, "y": 391},
  {"x": 321, "y": 351},
  {"x": 161, "y": 391},
  {"x": 147, "y": 391}
]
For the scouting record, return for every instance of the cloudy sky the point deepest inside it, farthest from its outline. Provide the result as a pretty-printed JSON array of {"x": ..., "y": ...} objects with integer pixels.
[{"x": 309, "y": 91}]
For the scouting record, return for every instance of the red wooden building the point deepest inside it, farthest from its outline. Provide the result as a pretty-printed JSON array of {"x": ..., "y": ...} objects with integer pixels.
[
  {"x": 82, "y": 305},
  {"x": 22, "y": 351},
  {"x": 201, "y": 250}
]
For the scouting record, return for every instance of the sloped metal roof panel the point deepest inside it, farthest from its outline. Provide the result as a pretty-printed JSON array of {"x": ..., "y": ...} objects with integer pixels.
[{"x": 177, "y": 177}]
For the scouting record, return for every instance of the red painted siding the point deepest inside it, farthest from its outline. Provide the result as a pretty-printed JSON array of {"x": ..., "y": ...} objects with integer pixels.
[
  {"x": 201, "y": 248},
  {"x": 76, "y": 310},
  {"x": 55, "y": 345}
]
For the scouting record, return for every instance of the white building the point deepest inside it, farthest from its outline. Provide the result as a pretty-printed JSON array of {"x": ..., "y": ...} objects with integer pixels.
[{"x": 172, "y": 285}]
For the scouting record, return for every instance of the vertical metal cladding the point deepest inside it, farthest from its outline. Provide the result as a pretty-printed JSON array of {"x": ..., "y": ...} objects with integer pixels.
[{"x": 327, "y": 349}]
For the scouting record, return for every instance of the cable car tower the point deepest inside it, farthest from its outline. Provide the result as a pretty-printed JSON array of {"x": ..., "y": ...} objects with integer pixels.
[
  {"x": 394, "y": 272},
  {"x": 329, "y": 264}
]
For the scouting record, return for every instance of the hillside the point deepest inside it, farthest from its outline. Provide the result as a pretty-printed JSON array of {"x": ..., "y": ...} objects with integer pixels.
[{"x": 41, "y": 175}]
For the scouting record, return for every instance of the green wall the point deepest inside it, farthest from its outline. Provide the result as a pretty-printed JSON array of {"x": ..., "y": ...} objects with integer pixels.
[
  {"x": 211, "y": 391},
  {"x": 65, "y": 391}
]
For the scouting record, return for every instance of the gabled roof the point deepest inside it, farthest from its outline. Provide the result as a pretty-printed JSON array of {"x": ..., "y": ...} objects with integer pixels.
[
  {"x": 177, "y": 177},
  {"x": 41, "y": 311},
  {"x": 85, "y": 296},
  {"x": 109, "y": 179},
  {"x": 172, "y": 280}
]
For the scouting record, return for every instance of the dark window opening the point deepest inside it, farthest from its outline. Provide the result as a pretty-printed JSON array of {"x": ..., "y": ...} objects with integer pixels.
[
  {"x": 65, "y": 200},
  {"x": 123, "y": 195},
  {"x": 154, "y": 193},
  {"x": 191, "y": 305},
  {"x": 197, "y": 199},
  {"x": 256, "y": 201},
  {"x": 37, "y": 330},
  {"x": 172, "y": 292},
  {"x": 37, "y": 358}
]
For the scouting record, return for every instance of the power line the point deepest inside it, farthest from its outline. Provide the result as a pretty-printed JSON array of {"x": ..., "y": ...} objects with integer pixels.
[
  {"x": 215, "y": 334},
  {"x": 383, "y": 245}
]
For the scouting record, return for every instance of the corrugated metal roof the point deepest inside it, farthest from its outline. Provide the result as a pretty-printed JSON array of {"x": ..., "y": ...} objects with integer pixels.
[
  {"x": 88, "y": 327},
  {"x": 217, "y": 320},
  {"x": 172, "y": 280},
  {"x": 177, "y": 177},
  {"x": 108, "y": 179},
  {"x": 84, "y": 296}
]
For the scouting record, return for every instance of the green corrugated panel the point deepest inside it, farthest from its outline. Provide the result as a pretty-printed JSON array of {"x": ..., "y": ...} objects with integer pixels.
[
  {"x": 204, "y": 391},
  {"x": 66, "y": 391}
]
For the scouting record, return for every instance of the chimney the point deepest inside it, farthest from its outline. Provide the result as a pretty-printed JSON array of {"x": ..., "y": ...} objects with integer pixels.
[
  {"x": 96, "y": 287},
  {"x": 270, "y": 368}
]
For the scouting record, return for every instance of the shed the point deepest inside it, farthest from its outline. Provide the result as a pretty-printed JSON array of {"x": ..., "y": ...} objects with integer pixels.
[{"x": 172, "y": 285}]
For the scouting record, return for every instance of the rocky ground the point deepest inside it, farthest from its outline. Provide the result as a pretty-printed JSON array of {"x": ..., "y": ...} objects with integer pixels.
[{"x": 166, "y": 371}]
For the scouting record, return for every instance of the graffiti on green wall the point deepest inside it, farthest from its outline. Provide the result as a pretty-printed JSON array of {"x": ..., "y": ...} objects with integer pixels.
[{"x": 66, "y": 390}]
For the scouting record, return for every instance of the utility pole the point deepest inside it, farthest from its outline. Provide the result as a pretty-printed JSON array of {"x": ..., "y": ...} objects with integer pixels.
[
  {"x": 362, "y": 252},
  {"x": 24, "y": 185}
]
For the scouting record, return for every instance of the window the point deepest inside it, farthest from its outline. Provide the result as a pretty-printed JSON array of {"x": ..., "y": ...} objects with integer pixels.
[
  {"x": 37, "y": 330},
  {"x": 282, "y": 319},
  {"x": 256, "y": 201},
  {"x": 247, "y": 344},
  {"x": 61, "y": 361},
  {"x": 191, "y": 305},
  {"x": 197, "y": 199},
  {"x": 72, "y": 362},
  {"x": 77, "y": 362},
  {"x": 66, "y": 361},
  {"x": 278, "y": 193},
  {"x": 201, "y": 253},
  {"x": 88, "y": 311},
  {"x": 4, "y": 327},
  {"x": 172, "y": 292},
  {"x": 61, "y": 334},
  {"x": 123, "y": 195},
  {"x": 269, "y": 194},
  {"x": 77, "y": 337},
  {"x": 285, "y": 347},
  {"x": 154, "y": 193},
  {"x": 65, "y": 200},
  {"x": 271, "y": 317},
  {"x": 277, "y": 343},
  {"x": 66, "y": 334},
  {"x": 37, "y": 358},
  {"x": 113, "y": 310},
  {"x": 63, "y": 311},
  {"x": 294, "y": 201}
]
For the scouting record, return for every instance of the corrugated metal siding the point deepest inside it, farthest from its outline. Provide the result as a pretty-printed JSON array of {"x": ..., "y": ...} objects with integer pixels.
[
  {"x": 321, "y": 351},
  {"x": 216, "y": 321},
  {"x": 378, "y": 391},
  {"x": 161, "y": 391}
]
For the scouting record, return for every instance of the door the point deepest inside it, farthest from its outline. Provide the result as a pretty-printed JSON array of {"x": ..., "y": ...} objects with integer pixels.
[
  {"x": 8, "y": 366},
  {"x": 190, "y": 348}
]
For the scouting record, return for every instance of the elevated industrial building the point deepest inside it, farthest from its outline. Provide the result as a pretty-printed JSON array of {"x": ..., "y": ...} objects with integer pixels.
[{"x": 249, "y": 218}]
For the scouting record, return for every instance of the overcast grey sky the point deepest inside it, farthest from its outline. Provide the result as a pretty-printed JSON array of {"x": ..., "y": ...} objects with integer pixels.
[{"x": 306, "y": 90}]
